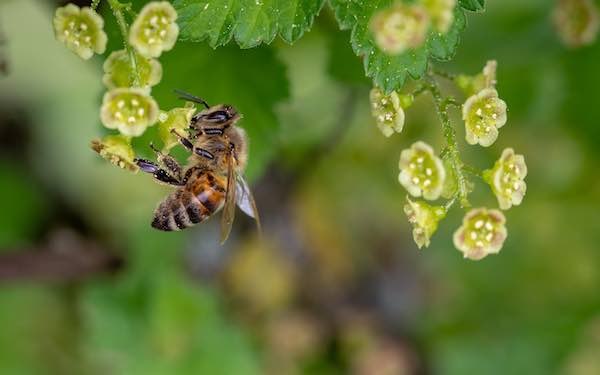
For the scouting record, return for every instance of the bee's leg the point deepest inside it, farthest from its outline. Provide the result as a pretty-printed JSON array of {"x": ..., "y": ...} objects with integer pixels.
[
  {"x": 158, "y": 173},
  {"x": 167, "y": 162},
  {"x": 190, "y": 146}
]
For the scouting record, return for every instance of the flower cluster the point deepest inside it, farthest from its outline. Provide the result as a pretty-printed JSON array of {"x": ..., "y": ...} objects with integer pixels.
[
  {"x": 80, "y": 29},
  {"x": 129, "y": 74},
  {"x": 424, "y": 174},
  {"x": 402, "y": 27}
]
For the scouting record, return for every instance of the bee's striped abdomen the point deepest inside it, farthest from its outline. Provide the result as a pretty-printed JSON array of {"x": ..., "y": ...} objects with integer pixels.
[{"x": 197, "y": 201}]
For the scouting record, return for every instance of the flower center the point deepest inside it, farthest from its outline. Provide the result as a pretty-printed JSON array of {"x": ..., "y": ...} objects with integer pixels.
[
  {"x": 130, "y": 110},
  {"x": 78, "y": 32},
  {"x": 481, "y": 233},
  {"x": 484, "y": 115},
  {"x": 421, "y": 168},
  {"x": 155, "y": 29}
]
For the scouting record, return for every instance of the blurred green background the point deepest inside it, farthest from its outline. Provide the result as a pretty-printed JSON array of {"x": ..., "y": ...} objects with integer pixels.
[{"x": 338, "y": 286}]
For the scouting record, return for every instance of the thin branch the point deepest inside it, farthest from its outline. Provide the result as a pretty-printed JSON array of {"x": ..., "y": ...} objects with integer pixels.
[
  {"x": 452, "y": 154},
  {"x": 117, "y": 9}
]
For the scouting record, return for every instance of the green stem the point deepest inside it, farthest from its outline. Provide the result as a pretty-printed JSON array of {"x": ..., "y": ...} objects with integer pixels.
[
  {"x": 94, "y": 5},
  {"x": 117, "y": 9},
  {"x": 472, "y": 170},
  {"x": 443, "y": 74},
  {"x": 441, "y": 104}
]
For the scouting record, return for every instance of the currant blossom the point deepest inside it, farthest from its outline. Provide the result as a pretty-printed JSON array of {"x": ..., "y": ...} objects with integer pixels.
[
  {"x": 118, "y": 71},
  {"x": 177, "y": 119},
  {"x": 400, "y": 27},
  {"x": 441, "y": 13},
  {"x": 130, "y": 110},
  {"x": 421, "y": 172},
  {"x": 424, "y": 219},
  {"x": 154, "y": 30},
  {"x": 484, "y": 113},
  {"x": 117, "y": 150},
  {"x": 507, "y": 179},
  {"x": 387, "y": 111},
  {"x": 80, "y": 29},
  {"x": 482, "y": 233},
  {"x": 576, "y": 21}
]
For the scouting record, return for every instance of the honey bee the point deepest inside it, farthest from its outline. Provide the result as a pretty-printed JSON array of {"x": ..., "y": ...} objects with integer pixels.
[{"x": 213, "y": 178}]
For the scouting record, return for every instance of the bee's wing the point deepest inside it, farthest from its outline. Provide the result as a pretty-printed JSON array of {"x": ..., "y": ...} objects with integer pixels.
[
  {"x": 245, "y": 200},
  {"x": 229, "y": 207}
]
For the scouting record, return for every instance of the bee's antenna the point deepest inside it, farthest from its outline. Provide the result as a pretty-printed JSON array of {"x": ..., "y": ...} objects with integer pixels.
[{"x": 186, "y": 96}]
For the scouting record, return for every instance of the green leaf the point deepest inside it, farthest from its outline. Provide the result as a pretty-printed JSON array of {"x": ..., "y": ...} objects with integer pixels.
[
  {"x": 250, "y": 22},
  {"x": 390, "y": 72},
  {"x": 473, "y": 5}
]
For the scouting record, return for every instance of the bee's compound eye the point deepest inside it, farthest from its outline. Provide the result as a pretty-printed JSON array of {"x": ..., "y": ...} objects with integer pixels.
[{"x": 217, "y": 116}]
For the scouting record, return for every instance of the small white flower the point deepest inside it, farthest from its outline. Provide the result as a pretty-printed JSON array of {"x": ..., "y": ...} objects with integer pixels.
[
  {"x": 118, "y": 72},
  {"x": 421, "y": 172},
  {"x": 441, "y": 13},
  {"x": 424, "y": 219},
  {"x": 484, "y": 113},
  {"x": 387, "y": 111},
  {"x": 482, "y": 233},
  {"x": 80, "y": 29},
  {"x": 117, "y": 150},
  {"x": 154, "y": 30},
  {"x": 400, "y": 27},
  {"x": 507, "y": 179},
  {"x": 121, "y": 110}
]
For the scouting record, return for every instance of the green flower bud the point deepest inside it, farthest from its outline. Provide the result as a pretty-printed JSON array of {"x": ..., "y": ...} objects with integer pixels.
[
  {"x": 117, "y": 150},
  {"x": 130, "y": 110},
  {"x": 154, "y": 30},
  {"x": 507, "y": 179},
  {"x": 441, "y": 13},
  {"x": 387, "y": 111},
  {"x": 576, "y": 22},
  {"x": 482, "y": 232},
  {"x": 421, "y": 172},
  {"x": 484, "y": 113},
  {"x": 471, "y": 85},
  {"x": 176, "y": 119},
  {"x": 400, "y": 27},
  {"x": 424, "y": 219},
  {"x": 80, "y": 29},
  {"x": 118, "y": 72}
]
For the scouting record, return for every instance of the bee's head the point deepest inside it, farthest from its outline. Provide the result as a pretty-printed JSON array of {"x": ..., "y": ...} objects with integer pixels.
[{"x": 221, "y": 114}]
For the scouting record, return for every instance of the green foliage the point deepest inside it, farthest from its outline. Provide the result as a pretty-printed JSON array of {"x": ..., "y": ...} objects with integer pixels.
[
  {"x": 249, "y": 22},
  {"x": 390, "y": 72},
  {"x": 473, "y": 5}
]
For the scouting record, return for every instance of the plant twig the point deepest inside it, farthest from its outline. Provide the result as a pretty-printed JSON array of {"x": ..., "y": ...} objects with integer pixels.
[
  {"x": 442, "y": 103},
  {"x": 117, "y": 9}
]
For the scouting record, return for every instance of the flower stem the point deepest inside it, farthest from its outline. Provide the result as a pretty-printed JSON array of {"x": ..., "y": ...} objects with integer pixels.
[
  {"x": 117, "y": 9},
  {"x": 451, "y": 151}
]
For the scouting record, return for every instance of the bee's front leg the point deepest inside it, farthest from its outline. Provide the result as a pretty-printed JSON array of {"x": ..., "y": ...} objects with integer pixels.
[
  {"x": 190, "y": 146},
  {"x": 167, "y": 162},
  {"x": 159, "y": 174}
]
